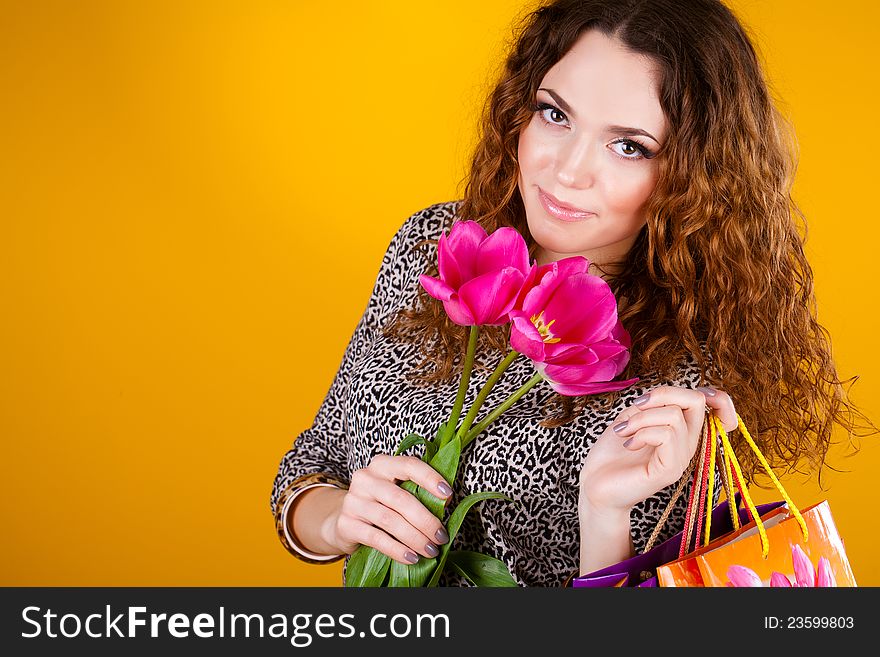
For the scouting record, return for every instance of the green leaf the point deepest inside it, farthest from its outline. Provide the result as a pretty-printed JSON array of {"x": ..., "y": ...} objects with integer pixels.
[
  {"x": 409, "y": 441},
  {"x": 450, "y": 565},
  {"x": 399, "y": 575},
  {"x": 421, "y": 572},
  {"x": 414, "y": 575},
  {"x": 445, "y": 461},
  {"x": 367, "y": 567},
  {"x": 454, "y": 525},
  {"x": 411, "y": 575},
  {"x": 430, "y": 451},
  {"x": 416, "y": 439},
  {"x": 432, "y": 503},
  {"x": 480, "y": 569},
  {"x": 438, "y": 438}
]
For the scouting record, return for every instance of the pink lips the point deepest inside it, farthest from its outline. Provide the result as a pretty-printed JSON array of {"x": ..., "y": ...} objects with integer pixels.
[{"x": 560, "y": 210}]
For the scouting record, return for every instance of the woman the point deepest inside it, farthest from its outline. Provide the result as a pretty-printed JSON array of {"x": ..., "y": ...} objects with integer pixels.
[{"x": 641, "y": 135}]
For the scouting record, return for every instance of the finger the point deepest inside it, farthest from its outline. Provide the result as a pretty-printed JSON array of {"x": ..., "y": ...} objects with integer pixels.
[
  {"x": 374, "y": 537},
  {"x": 671, "y": 417},
  {"x": 403, "y": 468},
  {"x": 398, "y": 528},
  {"x": 624, "y": 416},
  {"x": 407, "y": 505},
  {"x": 667, "y": 454},
  {"x": 691, "y": 402},
  {"x": 720, "y": 402},
  {"x": 654, "y": 436}
]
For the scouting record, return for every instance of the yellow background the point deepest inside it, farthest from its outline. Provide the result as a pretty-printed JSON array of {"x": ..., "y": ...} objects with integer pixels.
[{"x": 194, "y": 201}]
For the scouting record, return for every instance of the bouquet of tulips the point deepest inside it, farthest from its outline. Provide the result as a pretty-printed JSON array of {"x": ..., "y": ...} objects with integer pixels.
[{"x": 562, "y": 318}]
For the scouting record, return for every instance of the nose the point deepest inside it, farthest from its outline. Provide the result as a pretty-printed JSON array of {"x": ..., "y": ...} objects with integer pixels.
[{"x": 576, "y": 164}]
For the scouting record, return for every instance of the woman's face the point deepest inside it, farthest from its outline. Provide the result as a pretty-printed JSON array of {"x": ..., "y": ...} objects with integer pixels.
[{"x": 585, "y": 158}]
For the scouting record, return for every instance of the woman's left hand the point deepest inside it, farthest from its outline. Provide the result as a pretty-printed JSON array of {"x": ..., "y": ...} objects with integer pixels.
[{"x": 652, "y": 450}]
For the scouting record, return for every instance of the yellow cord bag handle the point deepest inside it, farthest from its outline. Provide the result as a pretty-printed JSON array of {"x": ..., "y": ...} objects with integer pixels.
[{"x": 730, "y": 461}]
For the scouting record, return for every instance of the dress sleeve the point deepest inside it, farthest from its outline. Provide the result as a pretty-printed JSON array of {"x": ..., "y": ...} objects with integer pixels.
[{"x": 324, "y": 447}]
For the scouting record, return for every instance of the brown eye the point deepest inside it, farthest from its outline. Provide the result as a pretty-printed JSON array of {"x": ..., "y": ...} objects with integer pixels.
[
  {"x": 550, "y": 114},
  {"x": 630, "y": 150}
]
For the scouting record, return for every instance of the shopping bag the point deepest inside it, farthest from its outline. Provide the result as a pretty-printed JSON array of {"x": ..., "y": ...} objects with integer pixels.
[
  {"x": 787, "y": 547},
  {"x": 772, "y": 544},
  {"x": 685, "y": 571}
]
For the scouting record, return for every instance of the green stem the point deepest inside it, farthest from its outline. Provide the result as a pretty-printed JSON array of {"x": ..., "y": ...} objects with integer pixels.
[
  {"x": 487, "y": 388},
  {"x": 462, "y": 386},
  {"x": 510, "y": 401}
]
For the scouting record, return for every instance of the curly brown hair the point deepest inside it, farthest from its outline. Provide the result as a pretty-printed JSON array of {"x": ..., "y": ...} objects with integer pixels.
[{"x": 720, "y": 261}]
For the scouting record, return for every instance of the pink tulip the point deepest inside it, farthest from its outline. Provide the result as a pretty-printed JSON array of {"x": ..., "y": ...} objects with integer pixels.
[
  {"x": 825, "y": 575},
  {"x": 741, "y": 576},
  {"x": 804, "y": 573},
  {"x": 565, "y": 321},
  {"x": 779, "y": 580},
  {"x": 480, "y": 276}
]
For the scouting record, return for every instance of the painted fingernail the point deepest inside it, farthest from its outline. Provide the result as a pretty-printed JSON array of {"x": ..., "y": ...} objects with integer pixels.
[
  {"x": 629, "y": 442},
  {"x": 432, "y": 550},
  {"x": 638, "y": 401},
  {"x": 709, "y": 392},
  {"x": 620, "y": 426},
  {"x": 441, "y": 535},
  {"x": 412, "y": 557},
  {"x": 444, "y": 489}
]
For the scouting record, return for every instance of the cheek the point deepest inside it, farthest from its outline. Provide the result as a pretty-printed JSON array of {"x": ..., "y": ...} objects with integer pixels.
[
  {"x": 628, "y": 191},
  {"x": 530, "y": 153}
]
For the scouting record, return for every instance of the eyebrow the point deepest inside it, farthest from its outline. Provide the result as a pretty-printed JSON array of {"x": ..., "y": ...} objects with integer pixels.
[{"x": 565, "y": 107}]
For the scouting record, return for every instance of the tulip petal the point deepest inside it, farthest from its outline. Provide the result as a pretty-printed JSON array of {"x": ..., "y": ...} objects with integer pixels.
[
  {"x": 458, "y": 312},
  {"x": 607, "y": 349},
  {"x": 464, "y": 242},
  {"x": 528, "y": 284},
  {"x": 503, "y": 248},
  {"x": 743, "y": 577},
  {"x": 803, "y": 569},
  {"x": 567, "y": 353},
  {"x": 548, "y": 278},
  {"x": 825, "y": 575},
  {"x": 437, "y": 289},
  {"x": 576, "y": 390},
  {"x": 572, "y": 265},
  {"x": 564, "y": 353},
  {"x": 447, "y": 265},
  {"x": 779, "y": 580},
  {"x": 583, "y": 373},
  {"x": 534, "y": 299},
  {"x": 490, "y": 297},
  {"x": 584, "y": 308},
  {"x": 525, "y": 338},
  {"x": 621, "y": 335}
]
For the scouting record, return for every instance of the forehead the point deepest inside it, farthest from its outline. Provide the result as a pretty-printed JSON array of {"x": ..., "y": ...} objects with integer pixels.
[{"x": 606, "y": 83}]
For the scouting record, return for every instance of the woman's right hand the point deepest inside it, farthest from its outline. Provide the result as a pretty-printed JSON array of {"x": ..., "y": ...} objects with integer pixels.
[{"x": 378, "y": 513}]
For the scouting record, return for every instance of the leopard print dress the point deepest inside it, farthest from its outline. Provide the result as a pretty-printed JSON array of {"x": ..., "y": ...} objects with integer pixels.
[{"x": 371, "y": 406}]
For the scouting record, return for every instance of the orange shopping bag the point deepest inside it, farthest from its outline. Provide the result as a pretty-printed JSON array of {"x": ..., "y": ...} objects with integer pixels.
[
  {"x": 783, "y": 547},
  {"x": 789, "y": 555},
  {"x": 685, "y": 571}
]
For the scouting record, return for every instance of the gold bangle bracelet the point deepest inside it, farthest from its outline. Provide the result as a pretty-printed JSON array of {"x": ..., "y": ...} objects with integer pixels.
[{"x": 284, "y": 507}]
